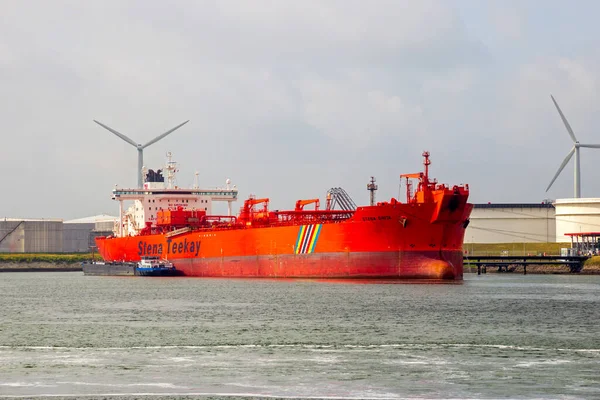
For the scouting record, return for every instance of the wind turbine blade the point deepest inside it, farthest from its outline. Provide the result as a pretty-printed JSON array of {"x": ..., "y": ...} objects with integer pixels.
[
  {"x": 125, "y": 138},
  {"x": 564, "y": 120},
  {"x": 156, "y": 139},
  {"x": 562, "y": 166},
  {"x": 591, "y": 146}
]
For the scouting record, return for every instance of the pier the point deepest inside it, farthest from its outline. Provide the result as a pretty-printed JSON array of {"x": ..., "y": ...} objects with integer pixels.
[{"x": 508, "y": 263}]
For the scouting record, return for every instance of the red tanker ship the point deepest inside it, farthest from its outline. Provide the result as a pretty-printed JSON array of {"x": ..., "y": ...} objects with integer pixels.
[{"x": 420, "y": 238}]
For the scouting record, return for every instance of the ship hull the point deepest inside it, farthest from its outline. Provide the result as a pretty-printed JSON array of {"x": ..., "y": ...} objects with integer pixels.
[{"x": 446, "y": 265}]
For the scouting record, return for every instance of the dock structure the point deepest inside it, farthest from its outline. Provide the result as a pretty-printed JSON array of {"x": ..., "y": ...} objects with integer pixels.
[
  {"x": 584, "y": 242},
  {"x": 504, "y": 263}
]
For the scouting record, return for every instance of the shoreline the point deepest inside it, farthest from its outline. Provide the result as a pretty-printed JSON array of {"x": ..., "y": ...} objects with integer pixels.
[
  {"x": 39, "y": 266},
  {"x": 537, "y": 270},
  {"x": 57, "y": 269},
  {"x": 590, "y": 267}
]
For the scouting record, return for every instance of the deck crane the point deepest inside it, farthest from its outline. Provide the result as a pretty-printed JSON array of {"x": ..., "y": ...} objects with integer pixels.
[{"x": 301, "y": 203}]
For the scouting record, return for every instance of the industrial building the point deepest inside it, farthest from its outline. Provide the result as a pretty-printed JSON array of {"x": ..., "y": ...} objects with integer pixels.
[
  {"x": 52, "y": 235},
  {"x": 513, "y": 223}
]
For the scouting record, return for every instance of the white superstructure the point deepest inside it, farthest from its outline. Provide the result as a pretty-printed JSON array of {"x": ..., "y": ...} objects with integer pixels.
[{"x": 157, "y": 195}]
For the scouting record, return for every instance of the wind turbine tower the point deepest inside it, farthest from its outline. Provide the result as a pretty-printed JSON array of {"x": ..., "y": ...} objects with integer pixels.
[
  {"x": 574, "y": 150},
  {"x": 140, "y": 148}
]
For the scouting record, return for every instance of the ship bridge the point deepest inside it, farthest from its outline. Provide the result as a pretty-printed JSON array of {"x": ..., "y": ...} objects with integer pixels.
[
  {"x": 148, "y": 202},
  {"x": 157, "y": 195}
]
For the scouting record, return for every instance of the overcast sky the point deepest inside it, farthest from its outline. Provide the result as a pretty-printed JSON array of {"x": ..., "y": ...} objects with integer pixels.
[{"x": 291, "y": 98}]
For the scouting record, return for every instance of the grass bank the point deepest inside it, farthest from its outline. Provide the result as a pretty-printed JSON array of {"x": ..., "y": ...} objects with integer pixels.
[
  {"x": 513, "y": 249},
  {"x": 18, "y": 258},
  {"x": 592, "y": 262},
  {"x": 32, "y": 262}
]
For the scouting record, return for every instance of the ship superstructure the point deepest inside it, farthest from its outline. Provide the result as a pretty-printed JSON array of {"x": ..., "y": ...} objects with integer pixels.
[{"x": 157, "y": 196}]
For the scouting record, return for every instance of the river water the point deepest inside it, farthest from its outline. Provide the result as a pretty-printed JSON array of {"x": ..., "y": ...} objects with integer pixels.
[{"x": 490, "y": 337}]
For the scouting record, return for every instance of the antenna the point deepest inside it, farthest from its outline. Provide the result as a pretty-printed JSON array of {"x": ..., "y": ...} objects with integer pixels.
[
  {"x": 574, "y": 150},
  {"x": 140, "y": 148},
  {"x": 372, "y": 187}
]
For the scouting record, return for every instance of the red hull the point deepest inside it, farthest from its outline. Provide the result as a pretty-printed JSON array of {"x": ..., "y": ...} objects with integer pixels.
[{"x": 384, "y": 265}]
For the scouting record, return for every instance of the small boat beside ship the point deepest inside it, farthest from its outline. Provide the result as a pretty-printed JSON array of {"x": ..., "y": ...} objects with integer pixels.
[
  {"x": 147, "y": 266},
  {"x": 154, "y": 266}
]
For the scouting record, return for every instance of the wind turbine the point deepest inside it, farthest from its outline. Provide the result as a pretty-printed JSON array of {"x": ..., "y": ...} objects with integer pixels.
[
  {"x": 574, "y": 150},
  {"x": 140, "y": 148}
]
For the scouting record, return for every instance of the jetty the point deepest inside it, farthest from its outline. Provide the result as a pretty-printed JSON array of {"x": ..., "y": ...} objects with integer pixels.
[{"x": 509, "y": 263}]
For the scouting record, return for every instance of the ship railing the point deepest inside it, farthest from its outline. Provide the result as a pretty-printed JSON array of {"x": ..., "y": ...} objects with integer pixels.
[
  {"x": 178, "y": 231},
  {"x": 281, "y": 218},
  {"x": 314, "y": 215},
  {"x": 227, "y": 219}
]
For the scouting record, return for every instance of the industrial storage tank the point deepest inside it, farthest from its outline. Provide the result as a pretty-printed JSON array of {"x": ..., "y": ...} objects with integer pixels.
[
  {"x": 76, "y": 237},
  {"x": 79, "y": 233},
  {"x": 18, "y": 235},
  {"x": 576, "y": 215},
  {"x": 512, "y": 223}
]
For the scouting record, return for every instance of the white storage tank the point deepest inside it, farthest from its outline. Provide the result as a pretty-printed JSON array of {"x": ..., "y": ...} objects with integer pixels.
[
  {"x": 576, "y": 216},
  {"x": 511, "y": 223}
]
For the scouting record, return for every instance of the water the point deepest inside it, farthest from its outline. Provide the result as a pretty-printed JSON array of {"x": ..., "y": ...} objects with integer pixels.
[{"x": 490, "y": 337}]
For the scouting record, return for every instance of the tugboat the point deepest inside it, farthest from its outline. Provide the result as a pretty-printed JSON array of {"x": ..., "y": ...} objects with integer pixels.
[{"x": 154, "y": 266}]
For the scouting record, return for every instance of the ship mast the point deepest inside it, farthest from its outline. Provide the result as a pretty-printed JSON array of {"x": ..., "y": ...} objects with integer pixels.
[
  {"x": 426, "y": 163},
  {"x": 227, "y": 183},
  {"x": 372, "y": 187},
  {"x": 425, "y": 186},
  {"x": 171, "y": 170}
]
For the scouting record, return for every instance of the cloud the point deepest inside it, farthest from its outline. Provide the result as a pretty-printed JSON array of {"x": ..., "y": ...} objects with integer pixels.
[
  {"x": 285, "y": 98},
  {"x": 508, "y": 21},
  {"x": 354, "y": 113},
  {"x": 579, "y": 75}
]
